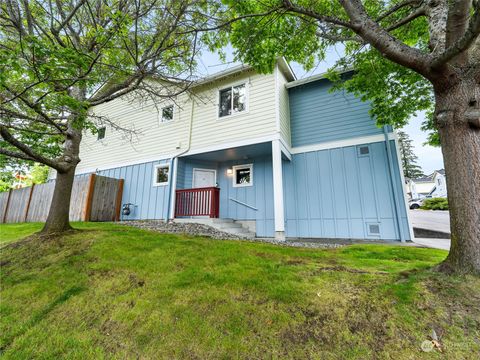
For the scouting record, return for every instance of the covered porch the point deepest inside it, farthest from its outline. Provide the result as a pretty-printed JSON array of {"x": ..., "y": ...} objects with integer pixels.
[{"x": 236, "y": 183}]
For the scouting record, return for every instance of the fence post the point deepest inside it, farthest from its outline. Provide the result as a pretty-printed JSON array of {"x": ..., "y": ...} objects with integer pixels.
[
  {"x": 4, "y": 220},
  {"x": 88, "y": 204},
  {"x": 118, "y": 200},
  {"x": 28, "y": 203}
]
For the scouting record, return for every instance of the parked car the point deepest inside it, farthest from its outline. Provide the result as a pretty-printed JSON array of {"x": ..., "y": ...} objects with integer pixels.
[{"x": 415, "y": 203}]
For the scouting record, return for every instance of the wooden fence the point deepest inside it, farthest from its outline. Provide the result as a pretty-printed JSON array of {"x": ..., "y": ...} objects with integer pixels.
[{"x": 94, "y": 198}]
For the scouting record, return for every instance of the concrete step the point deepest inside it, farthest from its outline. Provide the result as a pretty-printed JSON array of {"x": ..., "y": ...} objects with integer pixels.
[
  {"x": 236, "y": 230},
  {"x": 228, "y": 225}
]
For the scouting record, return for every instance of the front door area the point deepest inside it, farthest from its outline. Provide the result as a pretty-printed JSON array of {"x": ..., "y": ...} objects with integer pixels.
[{"x": 203, "y": 178}]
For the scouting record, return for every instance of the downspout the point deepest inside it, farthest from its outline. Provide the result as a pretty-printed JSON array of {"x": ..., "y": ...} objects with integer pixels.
[
  {"x": 173, "y": 161},
  {"x": 392, "y": 182}
]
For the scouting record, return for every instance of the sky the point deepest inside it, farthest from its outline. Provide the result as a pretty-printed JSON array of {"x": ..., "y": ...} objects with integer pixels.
[{"x": 429, "y": 157}]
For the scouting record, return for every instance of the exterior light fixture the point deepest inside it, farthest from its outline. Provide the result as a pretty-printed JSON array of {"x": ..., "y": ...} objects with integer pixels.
[{"x": 229, "y": 171}]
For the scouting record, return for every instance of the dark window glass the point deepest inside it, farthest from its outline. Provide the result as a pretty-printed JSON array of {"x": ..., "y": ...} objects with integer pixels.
[
  {"x": 238, "y": 98},
  {"x": 101, "y": 133},
  {"x": 167, "y": 113},
  {"x": 225, "y": 107},
  {"x": 162, "y": 175},
  {"x": 243, "y": 176}
]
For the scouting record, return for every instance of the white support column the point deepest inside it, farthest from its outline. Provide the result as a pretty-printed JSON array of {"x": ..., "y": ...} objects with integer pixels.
[
  {"x": 278, "y": 190},
  {"x": 173, "y": 189}
]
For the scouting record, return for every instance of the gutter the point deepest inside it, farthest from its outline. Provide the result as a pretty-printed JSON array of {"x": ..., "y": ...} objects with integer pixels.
[
  {"x": 392, "y": 182},
  {"x": 174, "y": 162}
]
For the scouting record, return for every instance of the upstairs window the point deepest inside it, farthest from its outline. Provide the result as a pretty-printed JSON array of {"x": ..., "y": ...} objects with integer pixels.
[
  {"x": 232, "y": 100},
  {"x": 101, "y": 133},
  {"x": 167, "y": 114},
  {"x": 161, "y": 174}
]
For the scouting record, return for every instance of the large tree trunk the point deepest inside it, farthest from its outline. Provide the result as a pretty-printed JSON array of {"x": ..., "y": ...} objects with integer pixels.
[
  {"x": 460, "y": 139},
  {"x": 58, "y": 216}
]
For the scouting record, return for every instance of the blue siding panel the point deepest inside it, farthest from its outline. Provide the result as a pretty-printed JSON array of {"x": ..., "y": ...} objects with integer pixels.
[
  {"x": 335, "y": 193},
  {"x": 151, "y": 202},
  {"x": 317, "y": 115}
]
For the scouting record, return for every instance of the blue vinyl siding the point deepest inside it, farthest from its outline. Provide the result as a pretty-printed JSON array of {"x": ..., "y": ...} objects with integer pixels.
[
  {"x": 336, "y": 194},
  {"x": 317, "y": 115},
  {"x": 151, "y": 202}
]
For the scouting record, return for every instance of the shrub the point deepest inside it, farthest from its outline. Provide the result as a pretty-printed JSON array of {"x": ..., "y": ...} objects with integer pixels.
[{"x": 435, "y": 204}]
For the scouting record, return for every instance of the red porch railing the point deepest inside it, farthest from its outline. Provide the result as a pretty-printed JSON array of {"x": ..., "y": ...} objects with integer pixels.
[{"x": 197, "y": 202}]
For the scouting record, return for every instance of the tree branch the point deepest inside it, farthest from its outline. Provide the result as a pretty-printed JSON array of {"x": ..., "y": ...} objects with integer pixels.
[
  {"x": 462, "y": 44},
  {"x": 8, "y": 137}
]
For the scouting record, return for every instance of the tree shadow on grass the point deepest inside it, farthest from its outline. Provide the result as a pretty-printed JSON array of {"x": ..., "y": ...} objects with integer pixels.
[{"x": 42, "y": 314}]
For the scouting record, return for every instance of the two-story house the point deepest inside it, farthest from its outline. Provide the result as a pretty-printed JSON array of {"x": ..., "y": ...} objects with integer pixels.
[{"x": 285, "y": 156}]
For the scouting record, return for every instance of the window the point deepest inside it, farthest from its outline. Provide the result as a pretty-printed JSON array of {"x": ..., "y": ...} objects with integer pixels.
[
  {"x": 161, "y": 174},
  {"x": 363, "y": 150},
  {"x": 101, "y": 133},
  {"x": 232, "y": 100},
  {"x": 167, "y": 113},
  {"x": 243, "y": 175}
]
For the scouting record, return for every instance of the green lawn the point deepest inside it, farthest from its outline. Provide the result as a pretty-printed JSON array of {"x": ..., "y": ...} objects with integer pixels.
[{"x": 109, "y": 291}]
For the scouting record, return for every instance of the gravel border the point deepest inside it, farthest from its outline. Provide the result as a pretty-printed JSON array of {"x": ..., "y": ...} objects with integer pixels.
[{"x": 208, "y": 231}]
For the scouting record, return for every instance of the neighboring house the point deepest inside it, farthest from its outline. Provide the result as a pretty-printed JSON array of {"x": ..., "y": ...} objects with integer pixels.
[
  {"x": 285, "y": 156},
  {"x": 433, "y": 185}
]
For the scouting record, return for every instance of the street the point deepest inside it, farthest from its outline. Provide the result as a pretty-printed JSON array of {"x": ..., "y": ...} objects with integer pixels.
[{"x": 431, "y": 220}]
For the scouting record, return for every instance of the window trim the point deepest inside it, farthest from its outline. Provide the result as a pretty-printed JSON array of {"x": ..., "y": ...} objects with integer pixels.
[
  {"x": 234, "y": 168},
  {"x": 231, "y": 86},
  {"x": 104, "y": 134},
  {"x": 161, "y": 114},
  {"x": 155, "y": 169}
]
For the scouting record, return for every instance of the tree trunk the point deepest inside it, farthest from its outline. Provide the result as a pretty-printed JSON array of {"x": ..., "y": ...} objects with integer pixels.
[
  {"x": 460, "y": 139},
  {"x": 58, "y": 220},
  {"x": 58, "y": 216}
]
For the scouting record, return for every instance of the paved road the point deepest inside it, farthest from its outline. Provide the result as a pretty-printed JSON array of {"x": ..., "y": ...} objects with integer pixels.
[{"x": 432, "y": 220}]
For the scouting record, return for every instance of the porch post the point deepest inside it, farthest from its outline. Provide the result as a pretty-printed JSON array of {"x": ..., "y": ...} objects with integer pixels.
[
  {"x": 278, "y": 190},
  {"x": 173, "y": 188}
]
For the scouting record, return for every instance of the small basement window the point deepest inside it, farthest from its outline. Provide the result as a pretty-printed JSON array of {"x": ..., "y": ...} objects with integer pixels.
[
  {"x": 101, "y": 133},
  {"x": 232, "y": 100},
  {"x": 161, "y": 175},
  {"x": 243, "y": 175},
  {"x": 167, "y": 114}
]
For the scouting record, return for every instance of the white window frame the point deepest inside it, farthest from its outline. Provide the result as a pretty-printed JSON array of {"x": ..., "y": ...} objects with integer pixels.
[
  {"x": 231, "y": 86},
  {"x": 104, "y": 135},
  {"x": 234, "y": 168},
  {"x": 162, "y": 121},
  {"x": 155, "y": 169}
]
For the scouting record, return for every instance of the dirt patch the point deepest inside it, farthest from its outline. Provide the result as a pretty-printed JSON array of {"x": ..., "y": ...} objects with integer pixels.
[{"x": 341, "y": 268}]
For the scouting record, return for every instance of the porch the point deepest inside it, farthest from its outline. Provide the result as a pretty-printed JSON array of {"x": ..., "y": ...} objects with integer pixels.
[{"x": 235, "y": 184}]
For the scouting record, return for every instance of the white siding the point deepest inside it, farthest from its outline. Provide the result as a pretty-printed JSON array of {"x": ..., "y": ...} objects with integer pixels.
[
  {"x": 155, "y": 140},
  {"x": 284, "y": 108},
  {"x": 257, "y": 121}
]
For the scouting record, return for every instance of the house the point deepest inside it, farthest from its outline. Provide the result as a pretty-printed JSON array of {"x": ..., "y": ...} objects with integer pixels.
[
  {"x": 433, "y": 185},
  {"x": 283, "y": 157}
]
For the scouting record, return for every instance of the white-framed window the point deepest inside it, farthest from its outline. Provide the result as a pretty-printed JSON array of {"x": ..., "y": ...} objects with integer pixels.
[
  {"x": 167, "y": 114},
  {"x": 101, "y": 133},
  {"x": 161, "y": 174},
  {"x": 232, "y": 100},
  {"x": 243, "y": 175}
]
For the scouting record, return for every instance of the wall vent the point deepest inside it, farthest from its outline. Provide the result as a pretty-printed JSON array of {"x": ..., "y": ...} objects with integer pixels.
[
  {"x": 363, "y": 150},
  {"x": 373, "y": 229}
]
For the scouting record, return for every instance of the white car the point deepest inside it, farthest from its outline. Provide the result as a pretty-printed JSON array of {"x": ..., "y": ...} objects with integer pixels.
[{"x": 415, "y": 203}]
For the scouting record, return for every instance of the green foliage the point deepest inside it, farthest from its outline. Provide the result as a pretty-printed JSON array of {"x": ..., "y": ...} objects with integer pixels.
[
  {"x": 435, "y": 204},
  {"x": 395, "y": 92},
  {"x": 39, "y": 174},
  {"x": 409, "y": 160},
  {"x": 110, "y": 291}
]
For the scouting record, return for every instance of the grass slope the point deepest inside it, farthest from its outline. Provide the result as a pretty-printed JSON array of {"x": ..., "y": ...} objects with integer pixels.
[{"x": 109, "y": 291}]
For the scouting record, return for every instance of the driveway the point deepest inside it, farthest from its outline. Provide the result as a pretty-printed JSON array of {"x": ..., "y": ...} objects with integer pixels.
[
  {"x": 434, "y": 221},
  {"x": 431, "y": 220}
]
